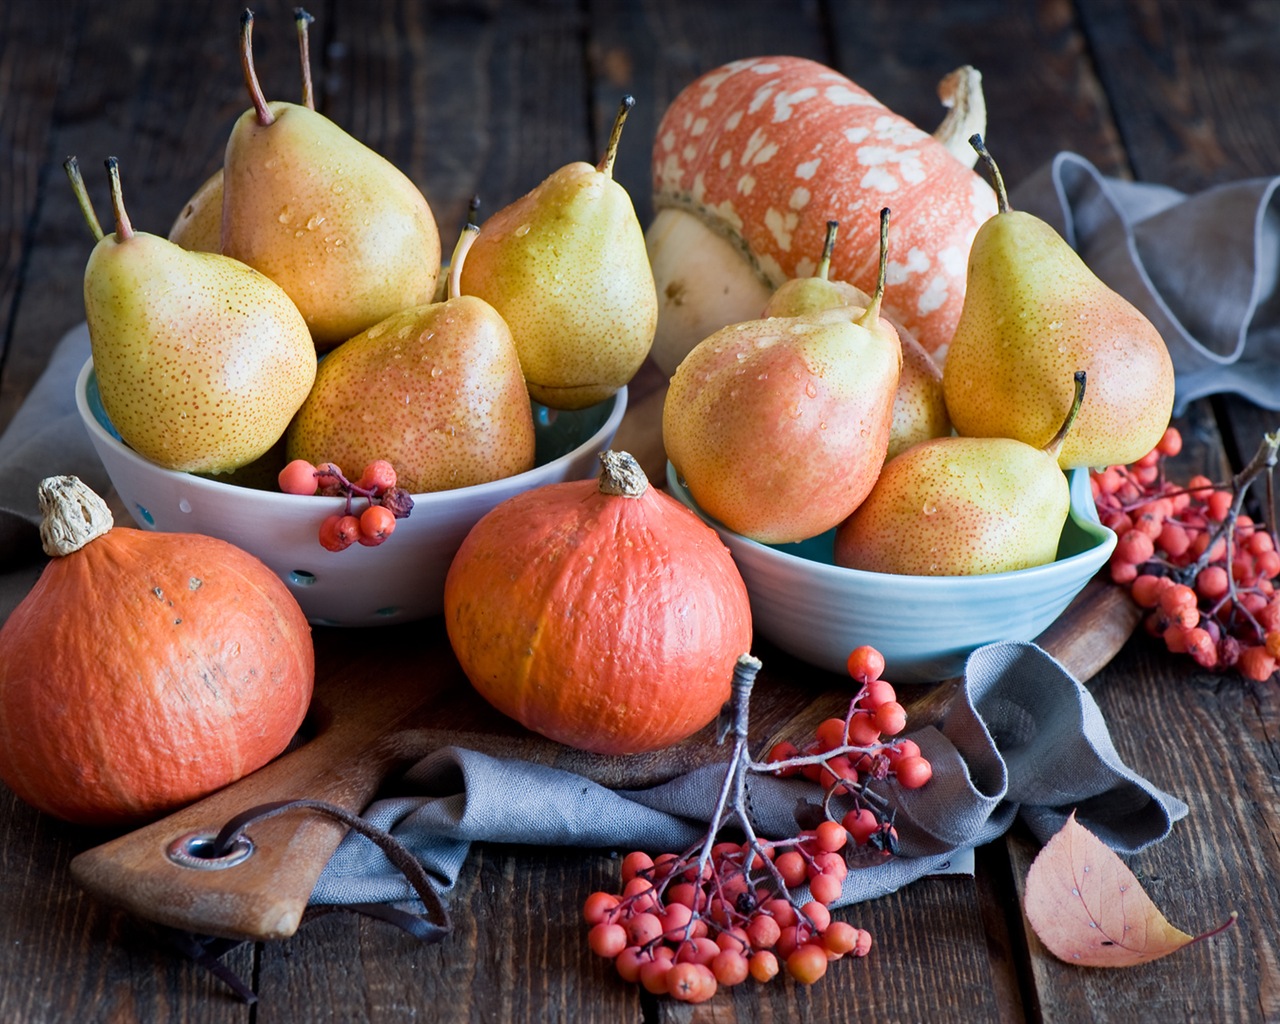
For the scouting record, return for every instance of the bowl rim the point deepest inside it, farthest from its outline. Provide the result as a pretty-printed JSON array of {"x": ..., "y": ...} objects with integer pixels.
[
  {"x": 101, "y": 436},
  {"x": 1083, "y": 513}
]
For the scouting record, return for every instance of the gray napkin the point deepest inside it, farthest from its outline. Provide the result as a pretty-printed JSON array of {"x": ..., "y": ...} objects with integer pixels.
[
  {"x": 45, "y": 437},
  {"x": 1025, "y": 738},
  {"x": 1022, "y": 737},
  {"x": 1202, "y": 268}
]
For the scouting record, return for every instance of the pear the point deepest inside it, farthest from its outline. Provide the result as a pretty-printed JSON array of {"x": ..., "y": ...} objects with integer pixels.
[
  {"x": 199, "y": 225},
  {"x": 801, "y": 295},
  {"x": 1033, "y": 311},
  {"x": 201, "y": 361},
  {"x": 198, "y": 228},
  {"x": 919, "y": 407},
  {"x": 567, "y": 268},
  {"x": 779, "y": 426},
  {"x": 347, "y": 235},
  {"x": 963, "y": 506},
  {"x": 435, "y": 389}
]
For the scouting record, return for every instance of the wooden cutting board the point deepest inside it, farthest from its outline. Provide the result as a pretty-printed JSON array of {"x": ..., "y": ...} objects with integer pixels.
[{"x": 385, "y": 698}]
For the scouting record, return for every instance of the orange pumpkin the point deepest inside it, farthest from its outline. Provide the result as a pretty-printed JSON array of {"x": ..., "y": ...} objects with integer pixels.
[
  {"x": 602, "y": 614},
  {"x": 144, "y": 670}
]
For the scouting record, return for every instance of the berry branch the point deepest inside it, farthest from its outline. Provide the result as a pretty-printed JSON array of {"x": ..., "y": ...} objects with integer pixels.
[
  {"x": 385, "y": 502},
  {"x": 725, "y": 910},
  {"x": 1204, "y": 569}
]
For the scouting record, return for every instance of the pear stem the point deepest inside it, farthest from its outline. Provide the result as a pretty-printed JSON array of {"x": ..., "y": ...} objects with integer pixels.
[
  {"x": 1002, "y": 196},
  {"x": 871, "y": 315},
  {"x": 265, "y": 117},
  {"x": 1055, "y": 444},
  {"x": 72, "y": 166},
  {"x": 303, "y": 21},
  {"x": 611, "y": 151},
  {"x": 473, "y": 211},
  {"x": 469, "y": 234},
  {"x": 828, "y": 247},
  {"x": 124, "y": 230}
]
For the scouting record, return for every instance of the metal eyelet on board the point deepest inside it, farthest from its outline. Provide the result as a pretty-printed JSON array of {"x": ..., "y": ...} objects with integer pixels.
[{"x": 192, "y": 851}]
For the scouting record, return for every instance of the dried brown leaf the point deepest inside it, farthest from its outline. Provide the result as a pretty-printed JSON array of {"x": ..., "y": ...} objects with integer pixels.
[{"x": 1089, "y": 909}]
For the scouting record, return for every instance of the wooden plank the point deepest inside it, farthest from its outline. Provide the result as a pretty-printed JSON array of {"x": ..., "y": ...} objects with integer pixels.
[
  {"x": 518, "y": 953},
  {"x": 62, "y": 956},
  {"x": 1041, "y": 91},
  {"x": 1191, "y": 86},
  {"x": 1213, "y": 744},
  {"x": 35, "y": 47},
  {"x": 654, "y": 48}
]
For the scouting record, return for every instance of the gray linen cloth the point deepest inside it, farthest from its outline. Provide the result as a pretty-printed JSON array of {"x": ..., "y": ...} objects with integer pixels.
[{"x": 1023, "y": 737}]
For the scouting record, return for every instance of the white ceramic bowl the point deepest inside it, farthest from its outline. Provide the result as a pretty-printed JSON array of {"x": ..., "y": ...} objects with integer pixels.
[
  {"x": 925, "y": 626},
  {"x": 400, "y": 580}
]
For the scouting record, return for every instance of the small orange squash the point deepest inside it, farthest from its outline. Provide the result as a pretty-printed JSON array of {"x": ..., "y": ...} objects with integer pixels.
[
  {"x": 144, "y": 670},
  {"x": 602, "y": 614}
]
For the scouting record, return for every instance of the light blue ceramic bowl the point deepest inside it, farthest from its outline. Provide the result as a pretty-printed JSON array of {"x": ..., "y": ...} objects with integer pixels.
[
  {"x": 925, "y": 626},
  {"x": 400, "y": 580}
]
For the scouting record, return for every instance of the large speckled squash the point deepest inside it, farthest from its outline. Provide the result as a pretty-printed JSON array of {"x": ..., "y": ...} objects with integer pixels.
[{"x": 751, "y": 161}]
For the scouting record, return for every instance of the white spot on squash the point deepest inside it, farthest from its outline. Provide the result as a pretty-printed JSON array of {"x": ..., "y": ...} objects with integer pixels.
[
  {"x": 843, "y": 96},
  {"x": 752, "y": 147},
  {"x": 785, "y": 101},
  {"x": 955, "y": 261},
  {"x": 934, "y": 294},
  {"x": 807, "y": 169},
  {"x": 879, "y": 179},
  {"x": 781, "y": 226},
  {"x": 760, "y": 98},
  {"x": 727, "y": 210},
  {"x": 767, "y": 152},
  {"x": 898, "y": 272}
]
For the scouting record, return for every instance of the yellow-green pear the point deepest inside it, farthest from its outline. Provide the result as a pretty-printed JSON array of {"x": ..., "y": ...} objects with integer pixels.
[
  {"x": 201, "y": 361},
  {"x": 199, "y": 226},
  {"x": 919, "y": 407},
  {"x": 1032, "y": 312},
  {"x": 779, "y": 427},
  {"x": 963, "y": 506},
  {"x": 566, "y": 266},
  {"x": 341, "y": 229},
  {"x": 813, "y": 294},
  {"x": 436, "y": 390}
]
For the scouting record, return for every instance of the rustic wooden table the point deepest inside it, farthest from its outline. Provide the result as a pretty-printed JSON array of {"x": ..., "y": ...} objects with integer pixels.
[{"x": 485, "y": 98}]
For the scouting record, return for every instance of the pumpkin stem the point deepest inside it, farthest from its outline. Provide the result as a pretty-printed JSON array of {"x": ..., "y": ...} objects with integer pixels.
[
  {"x": 71, "y": 515},
  {"x": 621, "y": 474}
]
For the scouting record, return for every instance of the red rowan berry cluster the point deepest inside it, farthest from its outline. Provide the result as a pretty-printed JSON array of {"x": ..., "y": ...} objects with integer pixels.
[
  {"x": 1205, "y": 571},
  {"x": 385, "y": 502},
  {"x": 721, "y": 912},
  {"x": 847, "y": 752}
]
